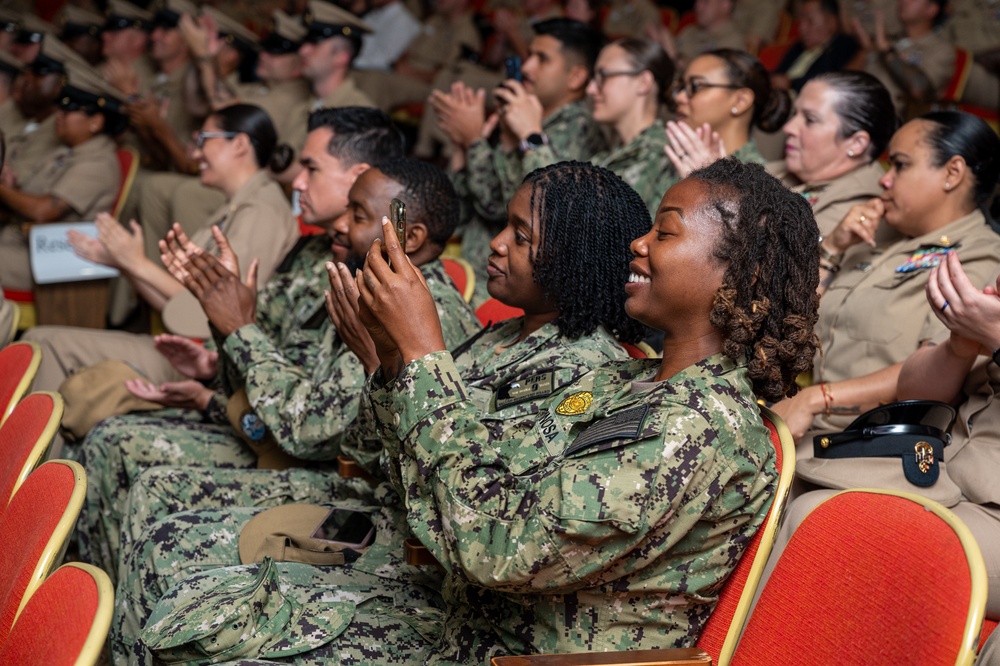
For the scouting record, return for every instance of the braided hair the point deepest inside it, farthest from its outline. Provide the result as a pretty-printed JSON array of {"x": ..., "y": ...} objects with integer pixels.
[
  {"x": 429, "y": 196},
  {"x": 767, "y": 305},
  {"x": 587, "y": 217}
]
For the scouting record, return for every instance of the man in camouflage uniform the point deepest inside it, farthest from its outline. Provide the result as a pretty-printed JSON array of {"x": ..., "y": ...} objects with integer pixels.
[
  {"x": 341, "y": 145},
  {"x": 547, "y": 110},
  {"x": 610, "y": 523},
  {"x": 304, "y": 402}
]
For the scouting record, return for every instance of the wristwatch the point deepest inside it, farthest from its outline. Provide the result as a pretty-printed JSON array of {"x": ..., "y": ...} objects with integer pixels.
[{"x": 533, "y": 141}]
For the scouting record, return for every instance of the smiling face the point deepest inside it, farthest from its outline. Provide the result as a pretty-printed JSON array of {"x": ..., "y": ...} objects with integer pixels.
[
  {"x": 512, "y": 258},
  {"x": 914, "y": 189},
  {"x": 215, "y": 157},
  {"x": 368, "y": 203},
  {"x": 675, "y": 276}
]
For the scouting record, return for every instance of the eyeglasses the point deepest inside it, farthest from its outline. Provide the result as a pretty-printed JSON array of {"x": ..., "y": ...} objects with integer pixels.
[
  {"x": 199, "y": 137},
  {"x": 602, "y": 75},
  {"x": 693, "y": 86}
]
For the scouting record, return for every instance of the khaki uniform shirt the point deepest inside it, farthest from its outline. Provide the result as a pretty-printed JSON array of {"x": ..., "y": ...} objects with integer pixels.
[
  {"x": 439, "y": 43},
  {"x": 168, "y": 92},
  {"x": 973, "y": 24},
  {"x": 32, "y": 147},
  {"x": 831, "y": 199},
  {"x": 930, "y": 53},
  {"x": 280, "y": 100},
  {"x": 974, "y": 455},
  {"x": 11, "y": 120},
  {"x": 258, "y": 223},
  {"x": 629, "y": 18},
  {"x": 759, "y": 18},
  {"x": 873, "y": 316},
  {"x": 694, "y": 41},
  {"x": 85, "y": 177}
]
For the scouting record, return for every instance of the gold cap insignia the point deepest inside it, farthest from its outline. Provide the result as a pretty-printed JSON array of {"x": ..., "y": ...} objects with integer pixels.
[
  {"x": 575, "y": 404},
  {"x": 925, "y": 456}
]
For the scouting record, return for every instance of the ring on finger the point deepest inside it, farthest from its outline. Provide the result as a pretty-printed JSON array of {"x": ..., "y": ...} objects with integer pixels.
[
  {"x": 944, "y": 307},
  {"x": 863, "y": 219}
]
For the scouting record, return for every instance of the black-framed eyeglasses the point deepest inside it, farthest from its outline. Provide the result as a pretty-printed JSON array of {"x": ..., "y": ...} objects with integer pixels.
[
  {"x": 200, "y": 137},
  {"x": 602, "y": 75},
  {"x": 693, "y": 86}
]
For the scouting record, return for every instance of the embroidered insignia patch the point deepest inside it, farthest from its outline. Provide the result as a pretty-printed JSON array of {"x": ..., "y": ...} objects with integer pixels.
[
  {"x": 928, "y": 257},
  {"x": 626, "y": 425},
  {"x": 575, "y": 404},
  {"x": 253, "y": 427}
]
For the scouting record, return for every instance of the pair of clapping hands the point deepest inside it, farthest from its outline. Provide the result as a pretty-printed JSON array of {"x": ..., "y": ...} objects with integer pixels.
[
  {"x": 384, "y": 313},
  {"x": 972, "y": 316}
]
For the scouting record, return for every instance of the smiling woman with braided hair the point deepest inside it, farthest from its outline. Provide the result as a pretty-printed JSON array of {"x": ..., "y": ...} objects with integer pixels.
[{"x": 614, "y": 521}]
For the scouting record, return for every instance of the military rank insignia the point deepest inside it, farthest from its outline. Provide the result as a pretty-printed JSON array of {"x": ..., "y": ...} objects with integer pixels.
[
  {"x": 575, "y": 404},
  {"x": 811, "y": 197},
  {"x": 928, "y": 257}
]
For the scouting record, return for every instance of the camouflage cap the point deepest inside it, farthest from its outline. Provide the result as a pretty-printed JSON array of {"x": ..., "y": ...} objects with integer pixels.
[
  {"x": 324, "y": 20},
  {"x": 286, "y": 34},
  {"x": 232, "y": 31},
  {"x": 242, "y": 617},
  {"x": 122, "y": 15},
  {"x": 75, "y": 21}
]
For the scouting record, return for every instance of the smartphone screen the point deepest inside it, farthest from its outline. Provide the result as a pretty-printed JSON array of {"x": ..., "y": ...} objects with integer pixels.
[
  {"x": 346, "y": 526},
  {"x": 513, "y": 66}
]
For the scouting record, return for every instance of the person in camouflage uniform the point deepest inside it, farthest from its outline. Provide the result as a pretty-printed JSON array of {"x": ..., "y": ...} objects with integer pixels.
[
  {"x": 632, "y": 485},
  {"x": 631, "y": 84},
  {"x": 342, "y": 143},
  {"x": 546, "y": 110},
  {"x": 508, "y": 370}
]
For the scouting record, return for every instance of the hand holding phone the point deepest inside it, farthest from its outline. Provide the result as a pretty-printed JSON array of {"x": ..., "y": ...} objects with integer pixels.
[{"x": 397, "y": 216}]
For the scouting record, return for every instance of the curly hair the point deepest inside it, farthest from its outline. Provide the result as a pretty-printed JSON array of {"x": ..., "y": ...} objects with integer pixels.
[
  {"x": 429, "y": 196},
  {"x": 767, "y": 305},
  {"x": 587, "y": 216}
]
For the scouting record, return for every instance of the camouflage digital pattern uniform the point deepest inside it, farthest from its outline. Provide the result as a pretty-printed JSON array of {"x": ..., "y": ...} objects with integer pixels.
[
  {"x": 491, "y": 177},
  {"x": 609, "y": 525},
  {"x": 643, "y": 164},
  {"x": 179, "y": 545},
  {"x": 305, "y": 400}
]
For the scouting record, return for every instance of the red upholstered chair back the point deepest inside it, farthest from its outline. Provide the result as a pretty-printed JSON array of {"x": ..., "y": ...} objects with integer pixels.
[
  {"x": 18, "y": 365},
  {"x": 462, "y": 275},
  {"x": 494, "y": 311},
  {"x": 128, "y": 165},
  {"x": 871, "y": 577},
  {"x": 74, "y": 604},
  {"x": 722, "y": 631},
  {"x": 33, "y": 530},
  {"x": 25, "y": 438}
]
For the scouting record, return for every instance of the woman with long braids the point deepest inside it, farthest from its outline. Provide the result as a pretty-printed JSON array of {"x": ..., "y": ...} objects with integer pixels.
[{"x": 613, "y": 522}]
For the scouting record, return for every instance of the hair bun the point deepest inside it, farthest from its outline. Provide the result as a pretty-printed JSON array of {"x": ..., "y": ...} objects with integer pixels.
[
  {"x": 775, "y": 111},
  {"x": 281, "y": 158}
]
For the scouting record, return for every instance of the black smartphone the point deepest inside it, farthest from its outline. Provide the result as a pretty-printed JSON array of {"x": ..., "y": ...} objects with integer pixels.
[
  {"x": 397, "y": 216},
  {"x": 353, "y": 528},
  {"x": 513, "y": 66}
]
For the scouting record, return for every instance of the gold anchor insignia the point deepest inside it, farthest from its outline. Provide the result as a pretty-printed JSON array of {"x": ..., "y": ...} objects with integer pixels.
[
  {"x": 575, "y": 404},
  {"x": 925, "y": 456}
]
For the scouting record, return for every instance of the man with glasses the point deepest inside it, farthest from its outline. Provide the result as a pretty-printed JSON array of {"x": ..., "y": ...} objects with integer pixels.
[{"x": 546, "y": 108}]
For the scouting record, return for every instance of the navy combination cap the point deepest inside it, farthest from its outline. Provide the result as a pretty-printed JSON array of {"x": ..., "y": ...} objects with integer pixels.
[
  {"x": 169, "y": 12},
  {"x": 86, "y": 90},
  {"x": 75, "y": 21},
  {"x": 286, "y": 34},
  {"x": 122, "y": 15},
  {"x": 324, "y": 20},
  {"x": 32, "y": 30},
  {"x": 54, "y": 58},
  {"x": 231, "y": 31}
]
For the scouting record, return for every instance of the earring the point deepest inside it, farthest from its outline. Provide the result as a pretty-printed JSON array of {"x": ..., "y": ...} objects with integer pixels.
[
  {"x": 947, "y": 185},
  {"x": 850, "y": 153},
  {"x": 736, "y": 111}
]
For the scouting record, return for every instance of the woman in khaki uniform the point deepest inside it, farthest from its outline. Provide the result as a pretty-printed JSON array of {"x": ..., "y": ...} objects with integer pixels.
[
  {"x": 842, "y": 123},
  {"x": 873, "y": 314},
  {"x": 235, "y": 146},
  {"x": 78, "y": 180}
]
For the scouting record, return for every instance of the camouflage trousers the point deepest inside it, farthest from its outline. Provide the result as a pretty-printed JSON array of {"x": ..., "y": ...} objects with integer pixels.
[
  {"x": 117, "y": 449},
  {"x": 359, "y": 618}
]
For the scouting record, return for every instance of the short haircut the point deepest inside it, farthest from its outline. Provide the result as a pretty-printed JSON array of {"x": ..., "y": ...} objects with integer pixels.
[
  {"x": 360, "y": 134},
  {"x": 429, "y": 196},
  {"x": 576, "y": 38}
]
